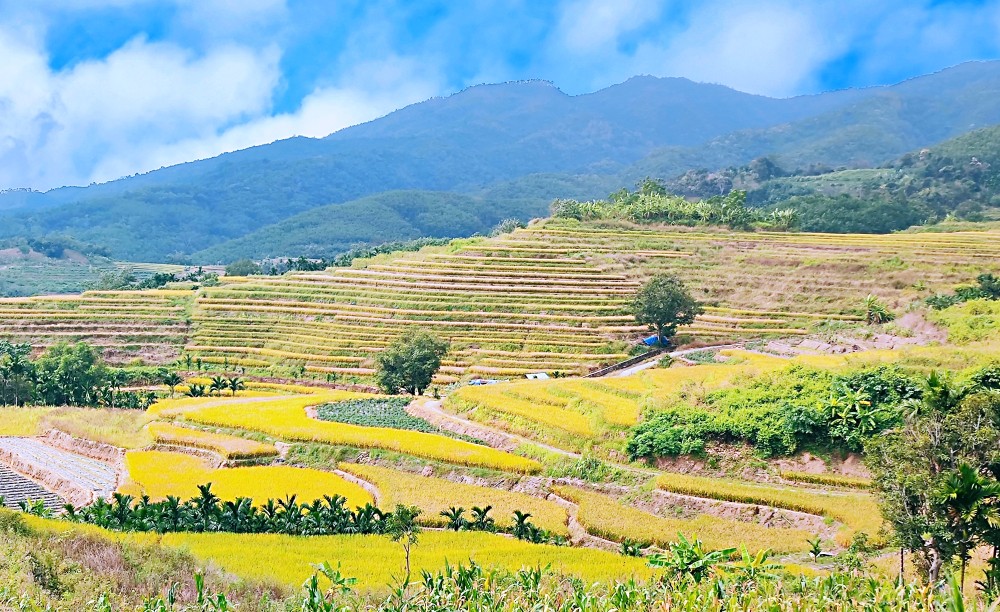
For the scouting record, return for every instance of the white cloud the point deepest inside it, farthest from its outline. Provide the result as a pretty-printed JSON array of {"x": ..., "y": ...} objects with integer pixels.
[
  {"x": 70, "y": 126},
  {"x": 591, "y": 26},
  {"x": 767, "y": 49},
  {"x": 370, "y": 90}
]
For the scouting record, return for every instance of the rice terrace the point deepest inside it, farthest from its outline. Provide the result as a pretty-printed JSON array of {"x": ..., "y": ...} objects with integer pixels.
[{"x": 653, "y": 345}]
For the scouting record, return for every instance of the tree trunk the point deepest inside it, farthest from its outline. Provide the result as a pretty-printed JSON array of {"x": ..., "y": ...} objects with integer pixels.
[
  {"x": 934, "y": 567},
  {"x": 901, "y": 565}
]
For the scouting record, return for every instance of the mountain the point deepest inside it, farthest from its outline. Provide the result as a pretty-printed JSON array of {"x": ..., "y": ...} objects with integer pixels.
[{"x": 511, "y": 147}]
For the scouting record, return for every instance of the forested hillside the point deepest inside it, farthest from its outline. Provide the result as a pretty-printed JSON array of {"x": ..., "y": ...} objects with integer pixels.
[{"x": 513, "y": 146}]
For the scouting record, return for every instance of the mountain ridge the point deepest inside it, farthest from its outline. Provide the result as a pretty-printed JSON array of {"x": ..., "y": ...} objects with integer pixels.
[{"x": 503, "y": 134}]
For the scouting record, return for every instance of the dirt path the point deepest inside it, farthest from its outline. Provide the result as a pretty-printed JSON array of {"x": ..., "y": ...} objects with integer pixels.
[
  {"x": 578, "y": 534},
  {"x": 645, "y": 365},
  {"x": 431, "y": 411},
  {"x": 364, "y": 484}
]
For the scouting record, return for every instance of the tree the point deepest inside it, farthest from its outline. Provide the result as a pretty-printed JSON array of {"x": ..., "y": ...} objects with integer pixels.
[
  {"x": 401, "y": 526},
  {"x": 456, "y": 518},
  {"x": 218, "y": 385},
  {"x": 409, "y": 364},
  {"x": 235, "y": 384},
  {"x": 969, "y": 501},
  {"x": 242, "y": 267},
  {"x": 70, "y": 375},
  {"x": 663, "y": 304},
  {"x": 171, "y": 380},
  {"x": 936, "y": 508},
  {"x": 17, "y": 373}
]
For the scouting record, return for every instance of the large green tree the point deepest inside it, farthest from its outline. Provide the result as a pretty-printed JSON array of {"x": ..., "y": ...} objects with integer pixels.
[
  {"x": 936, "y": 475},
  {"x": 664, "y": 303},
  {"x": 409, "y": 364},
  {"x": 70, "y": 374}
]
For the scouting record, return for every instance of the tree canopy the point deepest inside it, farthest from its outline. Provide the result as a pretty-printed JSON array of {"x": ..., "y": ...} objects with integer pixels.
[
  {"x": 663, "y": 304},
  {"x": 409, "y": 364}
]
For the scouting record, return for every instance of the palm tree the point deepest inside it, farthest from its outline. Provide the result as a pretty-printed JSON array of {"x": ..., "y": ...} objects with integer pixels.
[
  {"x": 171, "y": 380},
  {"x": 235, "y": 384},
  {"x": 521, "y": 524},
  {"x": 219, "y": 384},
  {"x": 481, "y": 521},
  {"x": 206, "y": 507},
  {"x": 195, "y": 390},
  {"x": 456, "y": 520},
  {"x": 969, "y": 499}
]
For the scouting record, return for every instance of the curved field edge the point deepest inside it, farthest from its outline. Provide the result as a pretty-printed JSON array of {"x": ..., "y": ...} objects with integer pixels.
[
  {"x": 432, "y": 495},
  {"x": 285, "y": 418},
  {"x": 604, "y": 516},
  {"x": 159, "y": 474}
]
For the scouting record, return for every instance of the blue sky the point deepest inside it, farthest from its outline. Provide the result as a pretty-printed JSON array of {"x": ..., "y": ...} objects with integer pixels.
[{"x": 91, "y": 90}]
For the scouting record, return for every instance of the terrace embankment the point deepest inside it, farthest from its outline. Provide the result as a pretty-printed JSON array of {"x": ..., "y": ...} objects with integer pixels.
[{"x": 78, "y": 479}]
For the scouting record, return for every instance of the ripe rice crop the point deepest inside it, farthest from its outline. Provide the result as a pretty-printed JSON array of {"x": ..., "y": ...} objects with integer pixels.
[
  {"x": 833, "y": 480},
  {"x": 21, "y": 421},
  {"x": 159, "y": 474},
  {"x": 608, "y": 518},
  {"x": 230, "y": 447},
  {"x": 498, "y": 400},
  {"x": 432, "y": 495},
  {"x": 857, "y": 511},
  {"x": 376, "y": 561},
  {"x": 286, "y": 418},
  {"x": 121, "y": 428},
  {"x": 176, "y": 406}
]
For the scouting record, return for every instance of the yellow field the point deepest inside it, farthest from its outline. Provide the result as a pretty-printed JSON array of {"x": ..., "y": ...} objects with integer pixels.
[
  {"x": 121, "y": 428},
  {"x": 495, "y": 399},
  {"x": 376, "y": 561},
  {"x": 21, "y": 421},
  {"x": 230, "y": 447},
  {"x": 286, "y": 418},
  {"x": 572, "y": 405},
  {"x": 857, "y": 511},
  {"x": 606, "y": 517},
  {"x": 174, "y": 406},
  {"x": 432, "y": 495},
  {"x": 159, "y": 474}
]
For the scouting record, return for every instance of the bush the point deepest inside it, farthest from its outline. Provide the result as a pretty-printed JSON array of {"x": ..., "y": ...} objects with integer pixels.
[{"x": 781, "y": 412}]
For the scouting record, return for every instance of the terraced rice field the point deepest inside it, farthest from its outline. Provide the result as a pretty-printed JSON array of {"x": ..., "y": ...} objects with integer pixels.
[
  {"x": 857, "y": 511},
  {"x": 285, "y": 418},
  {"x": 84, "y": 473},
  {"x": 125, "y": 325},
  {"x": 572, "y": 412},
  {"x": 229, "y": 447},
  {"x": 604, "y": 516},
  {"x": 553, "y": 296},
  {"x": 159, "y": 474},
  {"x": 15, "y": 488},
  {"x": 432, "y": 495}
]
